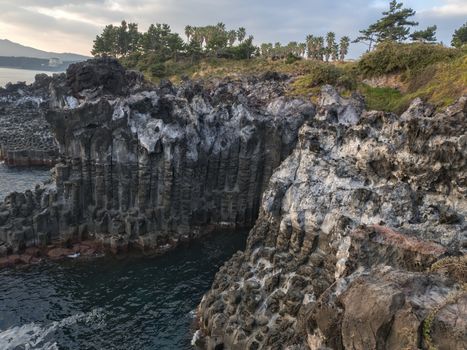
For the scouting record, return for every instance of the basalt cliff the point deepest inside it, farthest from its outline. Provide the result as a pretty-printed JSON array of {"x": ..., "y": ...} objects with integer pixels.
[
  {"x": 360, "y": 242},
  {"x": 25, "y": 136},
  {"x": 358, "y": 217},
  {"x": 147, "y": 167}
]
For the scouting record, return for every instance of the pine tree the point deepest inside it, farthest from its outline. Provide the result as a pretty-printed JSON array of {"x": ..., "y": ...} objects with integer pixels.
[
  {"x": 459, "y": 38},
  {"x": 393, "y": 26},
  {"x": 105, "y": 44},
  {"x": 425, "y": 36}
]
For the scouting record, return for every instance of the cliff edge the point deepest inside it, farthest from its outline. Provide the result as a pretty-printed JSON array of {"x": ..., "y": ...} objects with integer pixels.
[
  {"x": 147, "y": 167},
  {"x": 360, "y": 242}
]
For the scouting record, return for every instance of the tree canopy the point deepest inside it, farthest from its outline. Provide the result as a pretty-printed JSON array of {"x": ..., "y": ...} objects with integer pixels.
[
  {"x": 393, "y": 26},
  {"x": 459, "y": 38},
  {"x": 427, "y": 36},
  {"x": 163, "y": 44},
  {"x": 316, "y": 48}
]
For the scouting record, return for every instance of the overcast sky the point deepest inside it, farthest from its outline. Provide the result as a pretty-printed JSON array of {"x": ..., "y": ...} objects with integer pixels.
[{"x": 71, "y": 25}]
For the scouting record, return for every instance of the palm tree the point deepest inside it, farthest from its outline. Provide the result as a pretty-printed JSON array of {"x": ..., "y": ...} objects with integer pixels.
[
  {"x": 310, "y": 46},
  {"x": 220, "y": 26},
  {"x": 320, "y": 49},
  {"x": 330, "y": 42},
  {"x": 344, "y": 47},
  {"x": 232, "y": 36},
  {"x": 302, "y": 48},
  {"x": 188, "y": 32},
  {"x": 241, "y": 34}
]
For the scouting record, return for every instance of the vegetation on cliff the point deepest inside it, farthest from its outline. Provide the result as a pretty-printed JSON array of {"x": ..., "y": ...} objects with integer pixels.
[{"x": 391, "y": 73}]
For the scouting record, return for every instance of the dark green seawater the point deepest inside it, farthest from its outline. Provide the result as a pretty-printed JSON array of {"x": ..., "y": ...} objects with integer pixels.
[
  {"x": 109, "y": 303},
  {"x": 20, "y": 179}
]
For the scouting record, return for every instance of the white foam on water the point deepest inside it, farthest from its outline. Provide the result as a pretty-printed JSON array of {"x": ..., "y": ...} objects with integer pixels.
[
  {"x": 196, "y": 337},
  {"x": 33, "y": 336}
]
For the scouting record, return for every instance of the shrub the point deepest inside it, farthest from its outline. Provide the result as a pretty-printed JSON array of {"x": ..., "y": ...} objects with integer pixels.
[
  {"x": 291, "y": 58},
  {"x": 391, "y": 57},
  {"x": 157, "y": 70}
]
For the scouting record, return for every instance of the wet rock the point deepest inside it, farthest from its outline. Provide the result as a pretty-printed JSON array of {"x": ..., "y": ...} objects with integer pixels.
[{"x": 59, "y": 253}]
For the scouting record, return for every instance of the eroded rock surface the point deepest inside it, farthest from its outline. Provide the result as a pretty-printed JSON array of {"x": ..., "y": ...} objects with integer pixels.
[
  {"x": 25, "y": 136},
  {"x": 350, "y": 224},
  {"x": 361, "y": 237},
  {"x": 150, "y": 166}
]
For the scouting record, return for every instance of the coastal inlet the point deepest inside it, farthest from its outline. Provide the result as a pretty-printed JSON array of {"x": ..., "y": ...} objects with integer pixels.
[{"x": 108, "y": 303}]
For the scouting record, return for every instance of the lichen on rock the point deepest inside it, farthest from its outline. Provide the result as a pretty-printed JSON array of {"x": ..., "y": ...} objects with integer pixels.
[{"x": 350, "y": 223}]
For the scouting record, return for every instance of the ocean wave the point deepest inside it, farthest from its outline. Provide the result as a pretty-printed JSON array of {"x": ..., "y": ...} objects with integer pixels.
[{"x": 32, "y": 336}]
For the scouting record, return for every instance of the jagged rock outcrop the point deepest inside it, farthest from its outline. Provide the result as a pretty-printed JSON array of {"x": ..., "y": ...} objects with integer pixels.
[
  {"x": 25, "y": 136},
  {"x": 351, "y": 228},
  {"x": 361, "y": 237},
  {"x": 148, "y": 167}
]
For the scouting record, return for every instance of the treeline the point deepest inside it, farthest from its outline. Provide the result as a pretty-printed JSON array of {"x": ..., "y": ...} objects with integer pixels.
[
  {"x": 151, "y": 50},
  {"x": 315, "y": 47},
  {"x": 159, "y": 40},
  {"x": 212, "y": 40}
]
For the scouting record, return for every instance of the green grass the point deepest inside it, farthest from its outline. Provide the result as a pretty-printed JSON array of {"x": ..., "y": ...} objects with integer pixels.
[
  {"x": 436, "y": 74},
  {"x": 408, "y": 59},
  {"x": 440, "y": 84},
  {"x": 382, "y": 98}
]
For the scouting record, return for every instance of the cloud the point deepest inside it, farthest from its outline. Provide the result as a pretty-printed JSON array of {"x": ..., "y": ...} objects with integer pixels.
[
  {"x": 61, "y": 25},
  {"x": 448, "y": 8}
]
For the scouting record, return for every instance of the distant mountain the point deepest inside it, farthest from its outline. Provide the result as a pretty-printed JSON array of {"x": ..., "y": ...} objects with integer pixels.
[{"x": 10, "y": 48}]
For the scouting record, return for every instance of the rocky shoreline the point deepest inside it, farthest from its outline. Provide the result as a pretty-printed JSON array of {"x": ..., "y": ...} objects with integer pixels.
[
  {"x": 360, "y": 243},
  {"x": 142, "y": 166},
  {"x": 358, "y": 217}
]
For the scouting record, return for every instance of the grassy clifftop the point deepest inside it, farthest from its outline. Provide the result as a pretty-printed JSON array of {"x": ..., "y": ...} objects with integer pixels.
[{"x": 389, "y": 77}]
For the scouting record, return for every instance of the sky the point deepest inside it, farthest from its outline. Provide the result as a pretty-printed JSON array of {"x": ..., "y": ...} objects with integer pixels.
[{"x": 72, "y": 25}]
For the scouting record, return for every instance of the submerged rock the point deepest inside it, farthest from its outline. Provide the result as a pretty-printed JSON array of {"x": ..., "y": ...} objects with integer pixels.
[{"x": 350, "y": 224}]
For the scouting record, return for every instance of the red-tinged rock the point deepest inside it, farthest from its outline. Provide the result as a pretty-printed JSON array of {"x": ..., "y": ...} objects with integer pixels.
[
  {"x": 35, "y": 260},
  {"x": 3, "y": 262},
  {"x": 375, "y": 244},
  {"x": 14, "y": 259},
  {"x": 59, "y": 253},
  {"x": 84, "y": 249},
  {"x": 388, "y": 236},
  {"x": 25, "y": 259},
  {"x": 33, "y": 251}
]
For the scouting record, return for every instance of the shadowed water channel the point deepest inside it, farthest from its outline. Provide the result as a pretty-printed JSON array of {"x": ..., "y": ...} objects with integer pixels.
[{"x": 108, "y": 303}]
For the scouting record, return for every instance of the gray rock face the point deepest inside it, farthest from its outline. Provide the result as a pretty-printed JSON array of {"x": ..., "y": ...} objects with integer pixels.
[
  {"x": 349, "y": 224},
  {"x": 25, "y": 136},
  {"x": 148, "y": 167},
  {"x": 361, "y": 237}
]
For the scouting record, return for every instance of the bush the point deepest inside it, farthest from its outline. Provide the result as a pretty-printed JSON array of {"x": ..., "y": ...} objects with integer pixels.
[
  {"x": 316, "y": 74},
  {"x": 323, "y": 73},
  {"x": 291, "y": 58},
  {"x": 391, "y": 57},
  {"x": 157, "y": 70}
]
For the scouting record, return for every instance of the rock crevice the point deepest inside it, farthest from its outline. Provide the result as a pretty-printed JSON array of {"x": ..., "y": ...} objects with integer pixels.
[{"x": 350, "y": 223}]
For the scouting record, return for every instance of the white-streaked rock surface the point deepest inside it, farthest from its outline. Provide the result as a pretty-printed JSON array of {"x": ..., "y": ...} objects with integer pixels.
[{"x": 349, "y": 224}]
